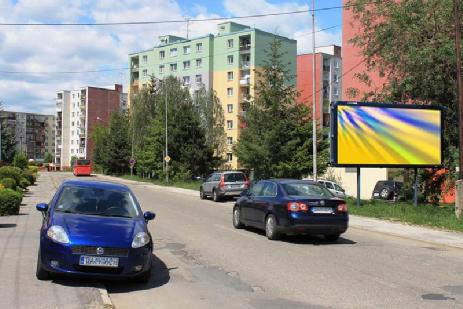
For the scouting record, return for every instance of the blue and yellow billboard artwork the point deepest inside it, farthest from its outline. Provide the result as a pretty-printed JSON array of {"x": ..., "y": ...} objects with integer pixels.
[{"x": 382, "y": 136}]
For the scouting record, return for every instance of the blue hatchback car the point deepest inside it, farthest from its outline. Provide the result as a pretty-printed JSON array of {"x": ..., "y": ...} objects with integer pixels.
[{"x": 94, "y": 229}]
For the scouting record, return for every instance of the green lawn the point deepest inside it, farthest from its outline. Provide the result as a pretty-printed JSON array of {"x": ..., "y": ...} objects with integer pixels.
[
  {"x": 441, "y": 216},
  {"x": 194, "y": 185}
]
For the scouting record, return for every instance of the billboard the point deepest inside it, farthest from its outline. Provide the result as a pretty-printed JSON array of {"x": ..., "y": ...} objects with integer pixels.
[{"x": 386, "y": 135}]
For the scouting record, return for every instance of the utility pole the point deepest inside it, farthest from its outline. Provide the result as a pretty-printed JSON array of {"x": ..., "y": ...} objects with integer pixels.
[
  {"x": 314, "y": 118},
  {"x": 167, "y": 152},
  {"x": 459, "y": 184}
]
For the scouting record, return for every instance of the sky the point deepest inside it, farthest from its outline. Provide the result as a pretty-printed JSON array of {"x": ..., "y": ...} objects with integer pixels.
[{"x": 39, "y": 51}]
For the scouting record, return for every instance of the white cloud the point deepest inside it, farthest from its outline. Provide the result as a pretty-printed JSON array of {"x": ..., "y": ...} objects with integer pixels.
[{"x": 87, "y": 48}]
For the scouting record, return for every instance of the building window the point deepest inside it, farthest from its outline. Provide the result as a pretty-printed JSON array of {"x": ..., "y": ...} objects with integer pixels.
[
  {"x": 336, "y": 78},
  {"x": 173, "y": 52},
  {"x": 230, "y": 75},
  {"x": 161, "y": 69},
  {"x": 72, "y": 142},
  {"x": 199, "y": 62},
  {"x": 186, "y": 65},
  {"x": 199, "y": 47},
  {"x": 186, "y": 49},
  {"x": 72, "y": 150},
  {"x": 145, "y": 59},
  {"x": 230, "y": 108},
  {"x": 335, "y": 91},
  {"x": 72, "y": 123},
  {"x": 230, "y": 92},
  {"x": 229, "y": 140},
  {"x": 229, "y": 124},
  {"x": 145, "y": 73},
  {"x": 162, "y": 54},
  {"x": 230, "y": 43},
  {"x": 173, "y": 67},
  {"x": 230, "y": 59},
  {"x": 72, "y": 114},
  {"x": 229, "y": 157},
  {"x": 186, "y": 80},
  {"x": 199, "y": 79},
  {"x": 336, "y": 63}
]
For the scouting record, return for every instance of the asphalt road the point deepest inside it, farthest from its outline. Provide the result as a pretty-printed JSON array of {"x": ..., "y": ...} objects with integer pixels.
[{"x": 202, "y": 262}]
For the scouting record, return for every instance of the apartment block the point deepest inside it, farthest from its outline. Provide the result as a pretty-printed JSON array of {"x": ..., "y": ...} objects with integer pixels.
[
  {"x": 78, "y": 112},
  {"x": 328, "y": 81},
  {"x": 225, "y": 62},
  {"x": 34, "y": 133}
]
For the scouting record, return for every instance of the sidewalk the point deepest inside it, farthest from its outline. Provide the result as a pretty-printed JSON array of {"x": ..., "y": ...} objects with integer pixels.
[{"x": 424, "y": 234}]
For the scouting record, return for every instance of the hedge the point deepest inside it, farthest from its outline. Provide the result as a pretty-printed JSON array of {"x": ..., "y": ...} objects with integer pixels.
[
  {"x": 9, "y": 202},
  {"x": 24, "y": 183},
  {"x": 8, "y": 183},
  {"x": 11, "y": 172},
  {"x": 33, "y": 169},
  {"x": 30, "y": 176}
]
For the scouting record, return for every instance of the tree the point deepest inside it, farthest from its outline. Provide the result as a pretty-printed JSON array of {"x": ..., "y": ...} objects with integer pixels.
[
  {"x": 116, "y": 150},
  {"x": 100, "y": 153},
  {"x": 211, "y": 119},
  {"x": 20, "y": 160},
  {"x": 8, "y": 141},
  {"x": 48, "y": 158},
  {"x": 276, "y": 141},
  {"x": 411, "y": 44}
]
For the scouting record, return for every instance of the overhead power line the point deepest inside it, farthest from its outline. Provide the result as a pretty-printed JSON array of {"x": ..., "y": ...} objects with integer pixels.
[
  {"x": 180, "y": 20},
  {"x": 62, "y": 72}
]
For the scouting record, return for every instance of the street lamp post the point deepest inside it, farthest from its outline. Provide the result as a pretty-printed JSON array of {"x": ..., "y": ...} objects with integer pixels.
[
  {"x": 166, "y": 150},
  {"x": 314, "y": 119}
]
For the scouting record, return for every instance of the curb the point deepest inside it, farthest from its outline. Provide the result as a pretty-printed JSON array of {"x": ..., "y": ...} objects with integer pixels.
[{"x": 107, "y": 303}]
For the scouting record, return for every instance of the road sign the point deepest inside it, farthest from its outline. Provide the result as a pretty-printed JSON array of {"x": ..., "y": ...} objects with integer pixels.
[
  {"x": 167, "y": 159},
  {"x": 132, "y": 162}
]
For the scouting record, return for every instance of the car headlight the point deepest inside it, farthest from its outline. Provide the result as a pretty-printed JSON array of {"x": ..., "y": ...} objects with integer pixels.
[
  {"x": 57, "y": 233},
  {"x": 140, "y": 240}
]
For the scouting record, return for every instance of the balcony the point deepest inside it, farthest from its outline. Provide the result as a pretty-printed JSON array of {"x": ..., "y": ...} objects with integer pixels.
[
  {"x": 135, "y": 82},
  {"x": 245, "y": 81},
  {"x": 246, "y": 48},
  {"x": 245, "y": 65}
]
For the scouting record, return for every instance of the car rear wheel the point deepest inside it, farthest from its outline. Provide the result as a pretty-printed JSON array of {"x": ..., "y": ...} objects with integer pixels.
[
  {"x": 332, "y": 237},
  {"x": 202, "y": 195},
  {"x": 385, "y": 194},
  {"x": 41, "y": 273},
  {"x": 237, "y": 218},
  {"x": 215, "y": 196},
  {"x": 271, "y": 228}
]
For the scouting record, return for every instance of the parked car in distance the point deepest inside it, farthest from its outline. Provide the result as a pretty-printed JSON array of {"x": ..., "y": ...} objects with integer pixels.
[
  {"x": 290, "y": 206},
  {"x": 333, "y": 187},
  {"x": 82, "y": 167},
  {"x": 223, "y": 184},
  {"x": 387, "y": 190},
  {"x": 94, "y": 229}
]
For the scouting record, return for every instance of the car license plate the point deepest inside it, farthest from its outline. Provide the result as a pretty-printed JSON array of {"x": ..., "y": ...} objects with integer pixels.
[
  {"x": 375, "y": 194},
  {"x": 101, "y": 261},
  {"x": 322, "y": 210}
]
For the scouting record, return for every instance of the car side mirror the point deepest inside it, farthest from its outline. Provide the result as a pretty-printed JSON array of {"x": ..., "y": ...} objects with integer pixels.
[
  {"x": 42, "y": 207},
  {"x": 149, "y": 215}
]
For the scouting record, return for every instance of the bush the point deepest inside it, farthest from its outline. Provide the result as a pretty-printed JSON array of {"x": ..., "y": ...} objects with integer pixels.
[
  {"x": 11, "y": 172},
  {"x": 8, "y": 183},
  {"x": 9, "y": 202},
  {"x": 2, "y": 187},
  {"x": 20, "y": 160},
  {"x": 24, "y": 183},
  {"x": 33, "y": 169},
  {"x": 31, "y": 177}
]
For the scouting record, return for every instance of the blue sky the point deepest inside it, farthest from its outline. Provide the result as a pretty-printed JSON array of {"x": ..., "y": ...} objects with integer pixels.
[{"x": 45, "y": 49}]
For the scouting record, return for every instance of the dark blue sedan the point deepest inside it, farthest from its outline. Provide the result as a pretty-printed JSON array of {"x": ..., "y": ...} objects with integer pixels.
[
  {"x": 95, "y": 229},
  {"x": 288, "y": 206}
]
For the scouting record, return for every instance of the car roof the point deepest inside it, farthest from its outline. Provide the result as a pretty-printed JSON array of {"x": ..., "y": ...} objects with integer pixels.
[
  {"x": 289, "y": 180},
  {"x": 96, "y": 184}
]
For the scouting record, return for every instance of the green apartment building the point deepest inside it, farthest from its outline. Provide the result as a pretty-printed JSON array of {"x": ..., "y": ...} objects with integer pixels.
[{"x": 225, "y": 62}]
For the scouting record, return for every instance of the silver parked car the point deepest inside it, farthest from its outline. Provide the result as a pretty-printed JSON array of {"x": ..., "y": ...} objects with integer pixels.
[
  {"x": 223, "y": 184},
  {"x": 334, "y": 188}
]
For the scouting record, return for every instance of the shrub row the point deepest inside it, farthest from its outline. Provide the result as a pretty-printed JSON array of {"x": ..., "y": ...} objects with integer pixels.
[
  {"x": 13, "y": 180},
  {"x": 10, "y": 201}
]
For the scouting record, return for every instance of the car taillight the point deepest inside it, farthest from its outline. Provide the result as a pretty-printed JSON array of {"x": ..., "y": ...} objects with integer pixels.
[
  {"x": 222, "y": 182},
  {"x": 342, "y": 207},
  {"x": 297, "y": 206}
]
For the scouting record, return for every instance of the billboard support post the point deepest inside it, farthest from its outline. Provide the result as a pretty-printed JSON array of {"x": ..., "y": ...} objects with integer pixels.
[
  {"x": 415, "y": 188},
  {"x": 358, "y": 186}
]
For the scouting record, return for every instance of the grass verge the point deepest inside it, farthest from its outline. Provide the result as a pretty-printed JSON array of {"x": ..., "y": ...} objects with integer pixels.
[
  {"x": 193, "y": 185},
  {"x": 440, "y": 216}
]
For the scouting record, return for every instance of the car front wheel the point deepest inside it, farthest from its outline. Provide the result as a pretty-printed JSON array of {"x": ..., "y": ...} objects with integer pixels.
[
  {"x": 271, "y": 228},
  {"x": 237, "y": 218},
  {"x": 215, "y": 196},
  {"x": 41, "y": 273},
  {"x": 202, "y": 195}
]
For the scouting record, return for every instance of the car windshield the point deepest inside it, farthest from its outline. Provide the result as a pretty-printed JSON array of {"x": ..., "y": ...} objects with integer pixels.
[
  {"x": 96, "y": 201},
  {"x": 234, "y": 177},
  {"x": 306, "y": 189}
]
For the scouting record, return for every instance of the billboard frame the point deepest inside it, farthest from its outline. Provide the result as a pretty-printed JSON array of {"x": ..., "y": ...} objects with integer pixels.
[{"x": 334, "y": 132}]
